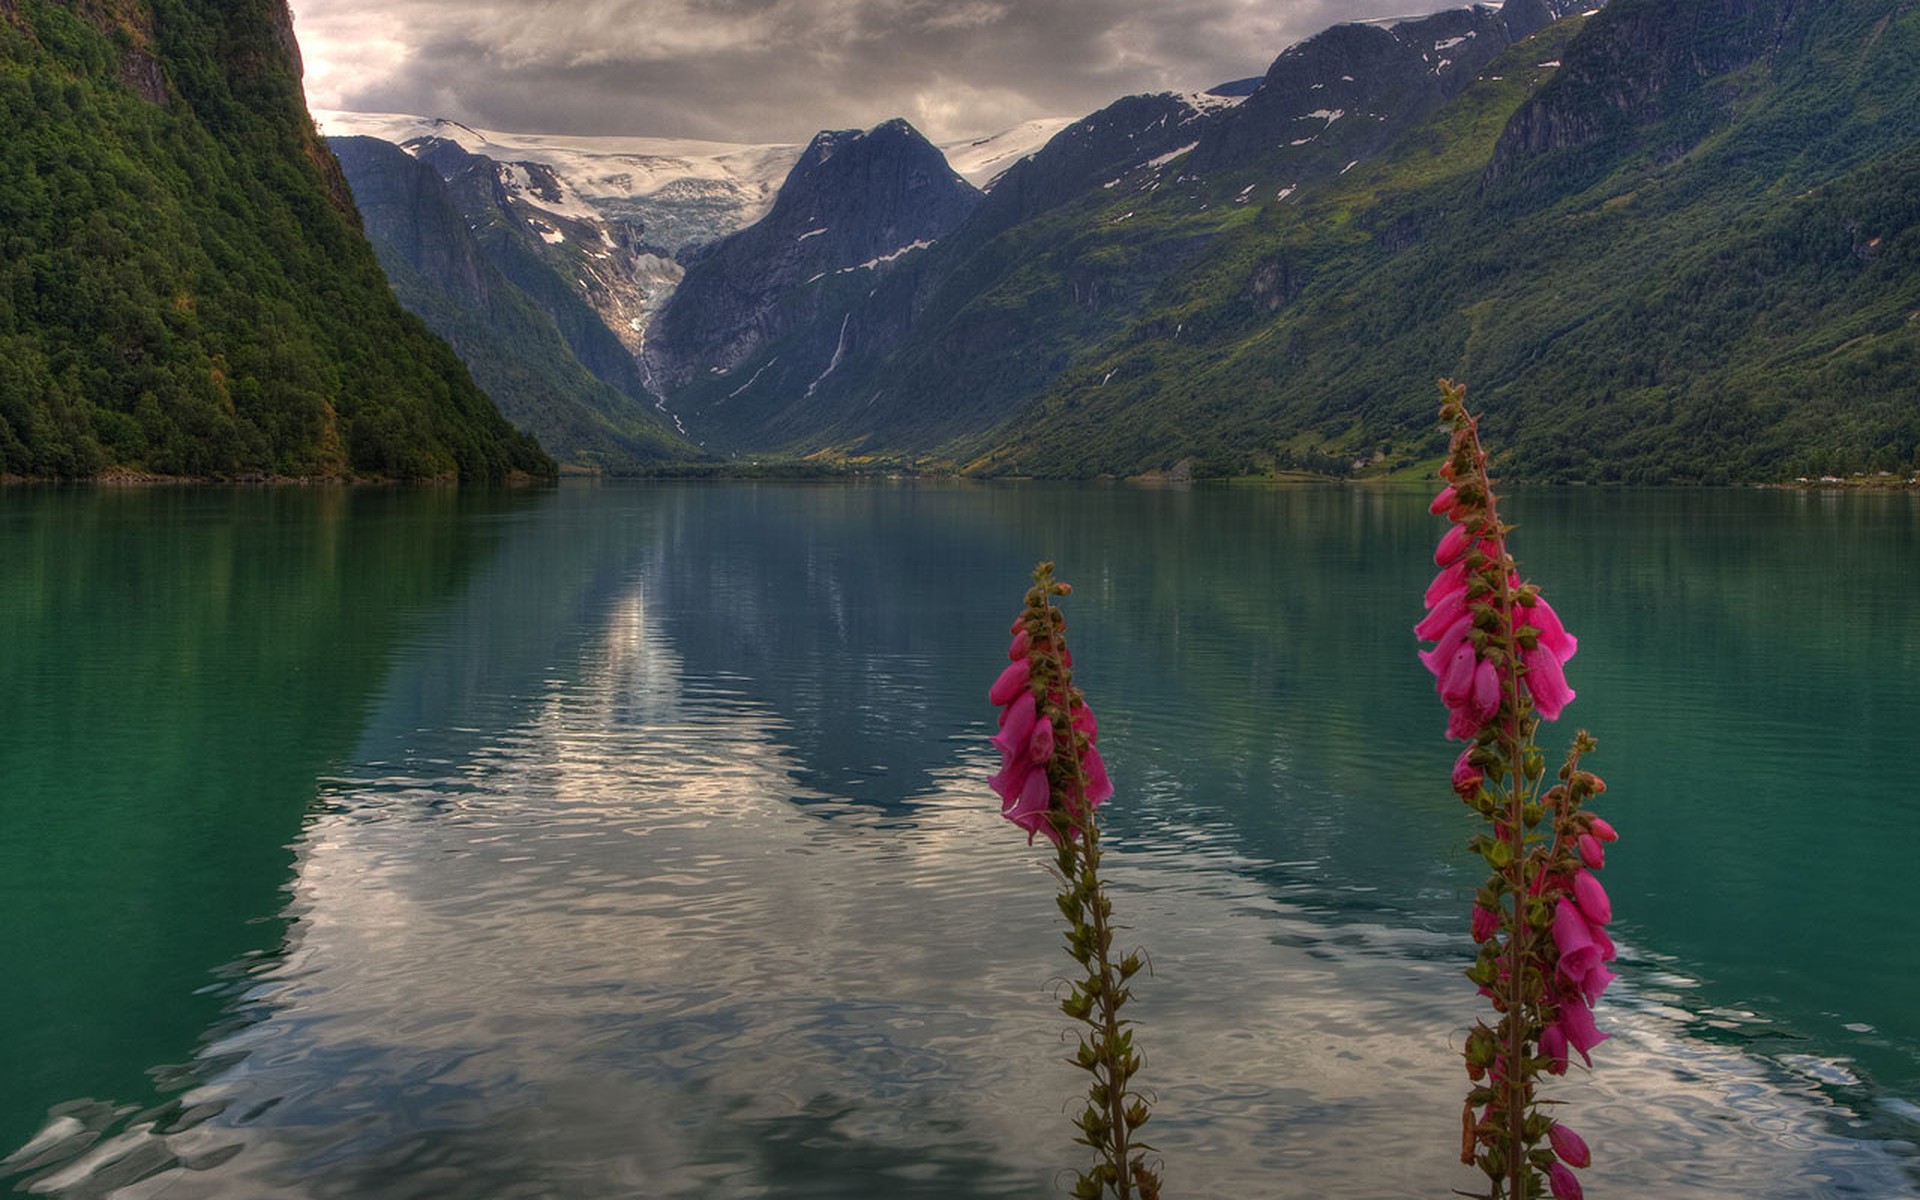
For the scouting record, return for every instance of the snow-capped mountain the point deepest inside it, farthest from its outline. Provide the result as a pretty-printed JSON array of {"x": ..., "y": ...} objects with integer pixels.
[
  {"x": 857, "y": 199},
  {"x": 637, "y": 208},
  {"x": 677, "y": 192}
]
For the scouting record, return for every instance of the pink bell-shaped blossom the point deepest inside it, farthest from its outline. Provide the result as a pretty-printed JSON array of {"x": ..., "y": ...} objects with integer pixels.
[
  {"x": 1444, "y": 502},
  {"x": 1099, "y": 787},
  {"x": 1467, "y": 778},
  {"x": 1546, "y": 683},
  {"x": 1592, "y": 898},
  {"x": 1011, "y": 680},
  {"x": 1453, "y": 578},
  {"x": 1570, "y": 1146},
  {"x": 1600, "y": 829},
  {"x": 1576, "y": 1022},
  {"x": 1553, "y": 1046},
  {"x": 1040, "y": 744},
  {"x": 1453, "y": 545},
  {"x": 1461, "y": 724},
  {"x": 1028, "y": 808},
  {"x": 1581, "y": 952},
  {"x": 1452, "y": 606},
  {"x": 1486, "y": 923},
  {"x": 1485, "y": 700},
  {"x": 1563, "y": 1183},
  {"x": 1601, "y": 940},
  {"x": 1016, "y": 726},
  {"x": 1573, "y": 937},
  {"x": 1457, "y": 684},
  {"x": 1554, "y": 637},
  {"x": 1436, "y": 659},
  {"x": 1591, "y": 851}
]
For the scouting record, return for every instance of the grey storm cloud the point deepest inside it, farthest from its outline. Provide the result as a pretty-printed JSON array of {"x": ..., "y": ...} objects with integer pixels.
[{"x": 779, "y": 70}]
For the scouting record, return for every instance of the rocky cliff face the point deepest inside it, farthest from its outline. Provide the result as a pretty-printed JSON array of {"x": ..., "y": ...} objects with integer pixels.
[
  {"x": 1100, "y": 150},
  {"x": 1345, "y": 93},
  {"x": 1638, "y": 62},
  {"x": 854, "y": 202}
]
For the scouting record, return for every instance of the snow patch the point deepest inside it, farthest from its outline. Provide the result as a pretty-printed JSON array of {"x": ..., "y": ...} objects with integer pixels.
[
  {"x": 1169, "y": 156},
  {"x": 811, "y": 233},
  {"x": 910, "y": 247},
  {"x": 1207, "y": 102},
  {"x": 1329, "y": 115},
  {"x": 981, "y": 161},
  {"x": 1350, "y": 166},
  {"x": 1289, "y": 190},
  {"x": 1451, "y": 42}
]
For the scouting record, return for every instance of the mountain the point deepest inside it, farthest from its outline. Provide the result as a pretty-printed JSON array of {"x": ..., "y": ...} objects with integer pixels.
[
  {"x": 1345, "y": 94},
  {"x": 1068, "y": 244},
  {"x": 185, "y": 288},
  {"x": 1661, "y": 240},
  {"x": 854, "y": 202},
  {"x": 947, "y": 339},
  {"x": 542, "y": 354},
  {"x": 640, "y": 202},
  {"x": 1682, "y": 243}
]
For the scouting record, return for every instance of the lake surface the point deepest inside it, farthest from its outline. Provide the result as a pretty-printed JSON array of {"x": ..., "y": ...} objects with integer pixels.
[{"x": 619, "y": 841}]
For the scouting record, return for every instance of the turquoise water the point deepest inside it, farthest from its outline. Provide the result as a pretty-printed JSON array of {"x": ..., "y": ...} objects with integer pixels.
[{"x": 632, "y": 840}]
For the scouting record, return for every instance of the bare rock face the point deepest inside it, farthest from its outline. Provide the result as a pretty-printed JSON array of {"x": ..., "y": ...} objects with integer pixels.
[
  {"x": 1122, "y": 137},
  {"x": 854, "y": 200},
  {"x": 1359, "y": 84},
  {"x": 1639, "y": 61}
]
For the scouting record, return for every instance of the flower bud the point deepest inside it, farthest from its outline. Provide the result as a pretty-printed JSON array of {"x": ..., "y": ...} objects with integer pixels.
[
  {"x": 1486, "y": 923},
  {"x": 1570, "y": 1146},
  {"x": 1563, "y": 1184}
]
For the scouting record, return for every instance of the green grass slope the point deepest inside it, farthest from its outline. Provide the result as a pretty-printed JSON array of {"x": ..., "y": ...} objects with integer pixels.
[
  {"x": 1690, "y": 254},
  {"x": 184, "y": 288}
]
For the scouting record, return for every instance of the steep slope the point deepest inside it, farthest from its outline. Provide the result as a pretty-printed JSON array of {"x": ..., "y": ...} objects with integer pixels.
[
  {"x": 1691, "y": 255},
  {"x": 516, "y": 351},
  {"x": 185, "y": 288},
  {"x": 1347, "y": 93},
  {"x": 855, "y": 201}
]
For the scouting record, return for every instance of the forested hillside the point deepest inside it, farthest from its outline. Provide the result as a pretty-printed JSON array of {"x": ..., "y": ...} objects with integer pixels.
[{"x": 184, "y": 287}]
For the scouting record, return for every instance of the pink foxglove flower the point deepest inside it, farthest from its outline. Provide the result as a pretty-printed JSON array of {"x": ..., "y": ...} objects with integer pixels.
[
  {"x": 1051, "y": 780},
  {"x": 1497, "y": 658},
  {"x": 1037, "y": 713}
]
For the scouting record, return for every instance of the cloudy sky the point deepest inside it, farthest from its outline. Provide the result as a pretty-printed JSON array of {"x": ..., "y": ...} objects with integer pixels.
[{"x": 780, "y": 70}]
